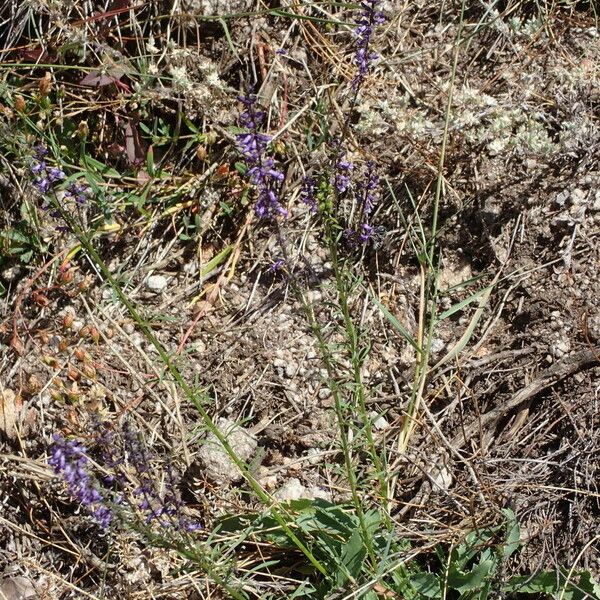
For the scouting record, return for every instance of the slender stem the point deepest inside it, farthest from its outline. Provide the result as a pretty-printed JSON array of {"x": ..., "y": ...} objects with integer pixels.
[{"x": 195, "y": 398}]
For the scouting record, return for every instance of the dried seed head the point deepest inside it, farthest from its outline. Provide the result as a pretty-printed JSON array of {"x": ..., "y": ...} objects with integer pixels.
[
  {"x": 84, "y": 331},
  {"x": 201, "y": 152},
  {"x": 40, "y": 299},
  {"x": 63, "y": 344},
  {"x": 67, "y": 320},
  {"x": 80, "y": 354},
  {"x": 50, "y": 360},
  {"x": 20, "y": 104},
  {"x": 85, "y": 283},
  {"x": 83, "y": 130},
  {"x": 34, "y": 385},
  {"x": 56, "y": 395},
  {"x": 94, "y": 334},
  {"x": 72, "y": 373},
  {"x": 89, "y": 371},
  {"x": 45, "y": 85},
  {"x": 66, "y": 276},
  {"x": 74, "y": 393}
]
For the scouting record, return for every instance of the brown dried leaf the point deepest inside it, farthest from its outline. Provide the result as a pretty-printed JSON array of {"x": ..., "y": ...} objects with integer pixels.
[
  {"x": 16, "y": 344},
  {"x": 17, "y": 588},
  {"x": 11, "y": 406}
]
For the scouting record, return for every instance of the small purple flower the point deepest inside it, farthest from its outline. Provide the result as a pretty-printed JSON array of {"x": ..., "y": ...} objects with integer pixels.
[
  {"x": 77, "y": 192},
  {"x": 38, "y": 168},
  {"x": 39, "y": 151},
  {"x": 307, "y": 193},
  {"x": 46, "y": 177},
  {"x": 55, "y": 174},
  {"x": 276, "y": 266},
  {"x": 42, "y": 184},
  {"x": 343, "y": 169},
  {"x": 366, "y": 233}
]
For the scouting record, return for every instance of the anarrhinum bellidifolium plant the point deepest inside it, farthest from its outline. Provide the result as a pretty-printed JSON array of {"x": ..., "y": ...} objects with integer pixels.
[
  {"x": 327, "y": 191},
  {"x": 157, "y": 514}
]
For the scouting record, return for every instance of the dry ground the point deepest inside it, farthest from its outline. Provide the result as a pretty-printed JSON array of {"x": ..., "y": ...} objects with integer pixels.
[{"x": 512, "y": 420}]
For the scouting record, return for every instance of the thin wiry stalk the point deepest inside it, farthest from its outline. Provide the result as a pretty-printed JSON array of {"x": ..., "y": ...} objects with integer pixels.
[
  {"x": 429, "y": 272},
  {"x": 328, "y": 361}
]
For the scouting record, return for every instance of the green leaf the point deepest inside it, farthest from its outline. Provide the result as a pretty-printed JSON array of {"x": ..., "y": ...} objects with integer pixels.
[
  {"x": 580, "y": 586},
  {"x": 353, "y": 554},
  {"x": 471, "y": 581},
  {"x": 99, "y": 167},
  {"x": 460, "y": 305},
  {"x": 513, "y": 534},
  {"x": 542, "y": 583},
  {"x": 150, "y": 161},
  {"x": 427, "y": 584}
]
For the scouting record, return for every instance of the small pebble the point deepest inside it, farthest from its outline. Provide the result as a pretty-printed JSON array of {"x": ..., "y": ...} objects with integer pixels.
[{"x": 156, "y": 283}]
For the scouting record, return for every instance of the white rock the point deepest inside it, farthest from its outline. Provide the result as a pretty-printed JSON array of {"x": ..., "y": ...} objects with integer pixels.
[
  {"x": 292, "y": 489},
  {"x": 560, "y": 347},
  {"x": 379, "y": 421},
  {"x": 437, "y": 345},
  {"x": 157, "y": 283},
  {"x": 217, "y": 462}
]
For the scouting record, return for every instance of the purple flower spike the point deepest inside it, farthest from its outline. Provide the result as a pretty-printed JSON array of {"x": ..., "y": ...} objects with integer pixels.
[
  {"x": 370, "y": 16},
  {"x": 69, "y": 460},
  {"x": 368, "y": 189},
  {"x": 262, "y": 171}
]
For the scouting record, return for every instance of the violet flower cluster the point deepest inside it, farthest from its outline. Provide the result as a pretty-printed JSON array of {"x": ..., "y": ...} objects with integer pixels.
[
  {"x": 366, "y": 196},
  {"x": 308, "y": 193},
  {"x": 262, "y": 171},
  {"x": 46, "y": 177},
  {"x": 70, "y": 460},
  {"x": 370, "y": 16},
  {"x": 106, "y": 495}
]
